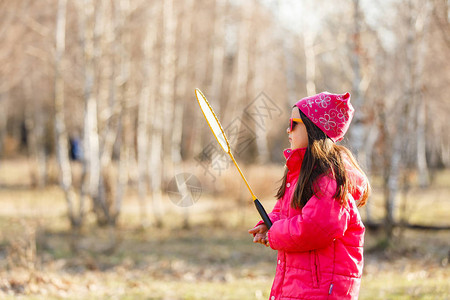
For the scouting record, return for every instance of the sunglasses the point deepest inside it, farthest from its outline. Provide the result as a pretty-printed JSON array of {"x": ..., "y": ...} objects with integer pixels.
[{"x": 293, "y": 122}]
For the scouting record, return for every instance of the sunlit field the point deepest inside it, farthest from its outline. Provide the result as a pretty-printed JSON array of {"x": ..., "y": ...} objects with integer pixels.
[{"x": 214, "y": 259}]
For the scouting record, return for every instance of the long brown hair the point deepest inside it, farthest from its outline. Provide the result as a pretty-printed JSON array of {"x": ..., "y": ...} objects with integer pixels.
[{"x": 322, "y": 157}]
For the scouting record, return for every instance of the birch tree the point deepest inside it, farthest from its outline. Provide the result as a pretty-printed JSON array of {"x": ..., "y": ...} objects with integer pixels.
[
  {"x": 261, "y": 42},
  {"x": 218, "y": 51},
  {"x": 143, "y": 124},
  {"x": 91, "y": 167},
  {"x": 181, "y": 91},
  {"x": 157, "y": 130},
  {"x": 309, "y": 37},
  {"x": 241, "y": 68},
  {"x": 75, "y": 215},
  {"x": 168, "y": 70},
  {"x": 421, "y": 26},
  {"x": 403, "y": 109},
  {"x": 357, "y": 130}
]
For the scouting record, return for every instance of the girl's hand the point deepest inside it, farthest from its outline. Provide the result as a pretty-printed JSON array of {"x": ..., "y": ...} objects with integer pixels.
[{"x": 260, "y": 234}]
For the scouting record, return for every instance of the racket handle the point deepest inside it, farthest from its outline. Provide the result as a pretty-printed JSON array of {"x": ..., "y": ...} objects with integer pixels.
[{"x": 262, "y": 213}]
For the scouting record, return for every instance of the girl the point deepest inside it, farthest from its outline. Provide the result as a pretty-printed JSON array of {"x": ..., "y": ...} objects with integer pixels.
[{"x": 317, "y": 229}]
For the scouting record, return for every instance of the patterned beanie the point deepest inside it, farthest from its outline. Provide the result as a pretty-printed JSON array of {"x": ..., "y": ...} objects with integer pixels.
[{"x": 332, "y": 113}]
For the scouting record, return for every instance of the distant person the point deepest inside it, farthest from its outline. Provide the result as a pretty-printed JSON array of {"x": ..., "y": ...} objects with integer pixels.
[
  {"x": 76, "y": 151},
  {"x": 317, "y": 228}
]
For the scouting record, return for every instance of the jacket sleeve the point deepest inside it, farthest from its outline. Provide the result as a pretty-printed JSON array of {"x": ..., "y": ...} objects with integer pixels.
[
  {"x": 274, "y": 215},
  {"x": 322, "y": 220}
]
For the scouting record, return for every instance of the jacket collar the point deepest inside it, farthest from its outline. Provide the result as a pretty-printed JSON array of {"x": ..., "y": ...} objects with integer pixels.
[{"x": 294, "y": 158}]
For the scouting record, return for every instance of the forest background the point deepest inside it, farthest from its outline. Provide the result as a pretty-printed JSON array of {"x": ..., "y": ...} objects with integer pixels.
[{"x": 112, "y": 185}]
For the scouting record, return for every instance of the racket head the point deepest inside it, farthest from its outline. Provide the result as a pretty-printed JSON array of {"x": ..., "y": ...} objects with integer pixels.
[{"x": 213, "y": 121}]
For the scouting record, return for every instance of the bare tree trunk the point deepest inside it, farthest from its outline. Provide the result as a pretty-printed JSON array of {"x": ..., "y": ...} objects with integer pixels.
[
  {"x": 391, "y": 185},
  {"x": 104, "y": 186},
  {"x": 123, "y": 170},
  {"x": 142, "y": 157},
  {"x": 60, "y": 127},
  {"x": 40, "y": 151},
  {"x": 309, "y": 49},
  {"x": 310, "y": 56},
  {"x": 156, "y": 140},
  {"x": 260, "y": 67},
  {"x": 241, "y": 72},
  {"x": 198, "y": 74},
  {"x": 123, "y": 9},
  {"x": 104, "y": 67},
  {"x": 91, "y": 168},
  {"x": 403, "y": 108},
  {"x": 239, "y": 95},
  {"x": 357, "y": 129},
  {"x": 289, "y": 57},
  {"x": 168, "y": 66},
  {"x": 373, "y": 135},
  {"x": 421, "y": 105},
  {"x": 113, "y": 109},
  {"x": 218, "y": 53},
  {"x": 180, "y": 92},
  {"x": 156, "y": 160},
  {"x": 143, "y": 124},
  {"x": 422, "y": 165}
]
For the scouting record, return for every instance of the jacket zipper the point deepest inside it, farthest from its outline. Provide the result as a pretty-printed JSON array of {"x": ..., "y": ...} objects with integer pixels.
[
  {"x": 330, "y": 290},
  {"x": 314, "y": 269}
]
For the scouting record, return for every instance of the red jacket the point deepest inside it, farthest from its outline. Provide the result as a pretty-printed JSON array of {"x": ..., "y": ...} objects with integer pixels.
[{"x": 320, "y": 247}]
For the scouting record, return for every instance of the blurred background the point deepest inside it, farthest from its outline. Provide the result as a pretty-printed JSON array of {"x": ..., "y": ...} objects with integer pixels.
[{"x": 112, "y": 185}]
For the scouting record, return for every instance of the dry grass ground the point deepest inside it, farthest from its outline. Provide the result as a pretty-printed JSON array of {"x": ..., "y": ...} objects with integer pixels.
[{"x": 215, "y": 259}]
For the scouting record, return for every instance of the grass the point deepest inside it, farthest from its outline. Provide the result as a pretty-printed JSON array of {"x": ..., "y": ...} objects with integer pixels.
[{"x": 215, "y": 259}]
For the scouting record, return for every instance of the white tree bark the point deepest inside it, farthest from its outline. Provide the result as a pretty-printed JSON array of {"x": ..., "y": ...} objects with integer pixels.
[
  {"x": 168, "y": 65},
  {"x": 144, "y": 121},
  {"x": 91, "y": 167},
  {"x": 239, "y": 93},
  {"x": 156, "y": 160},
  {"x": 403, "y": 128},
  {"x": 112, "y": 111},
  {"x": 422, "y": 164},
  {"x": 60, "y": 127},
  {"x": 123, "y": 10},
  {"x": 156, "y": 139},
  {"x": 181, "y": 92},
  {"x": 357, "y": 131},
  {"x": 391, "y": 190},
  {"x": 310, "y": 56},
  {"x": 421, "y": 27},
  {"x": 123, "y": 169},
  {"x": 260, "y": 69},
  {"x": 181, "y": 83},
  {"x": 218, "y": 53}
]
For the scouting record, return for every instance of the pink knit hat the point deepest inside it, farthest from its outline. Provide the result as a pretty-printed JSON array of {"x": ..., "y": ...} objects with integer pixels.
[{"x": 332, "y": 113}]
